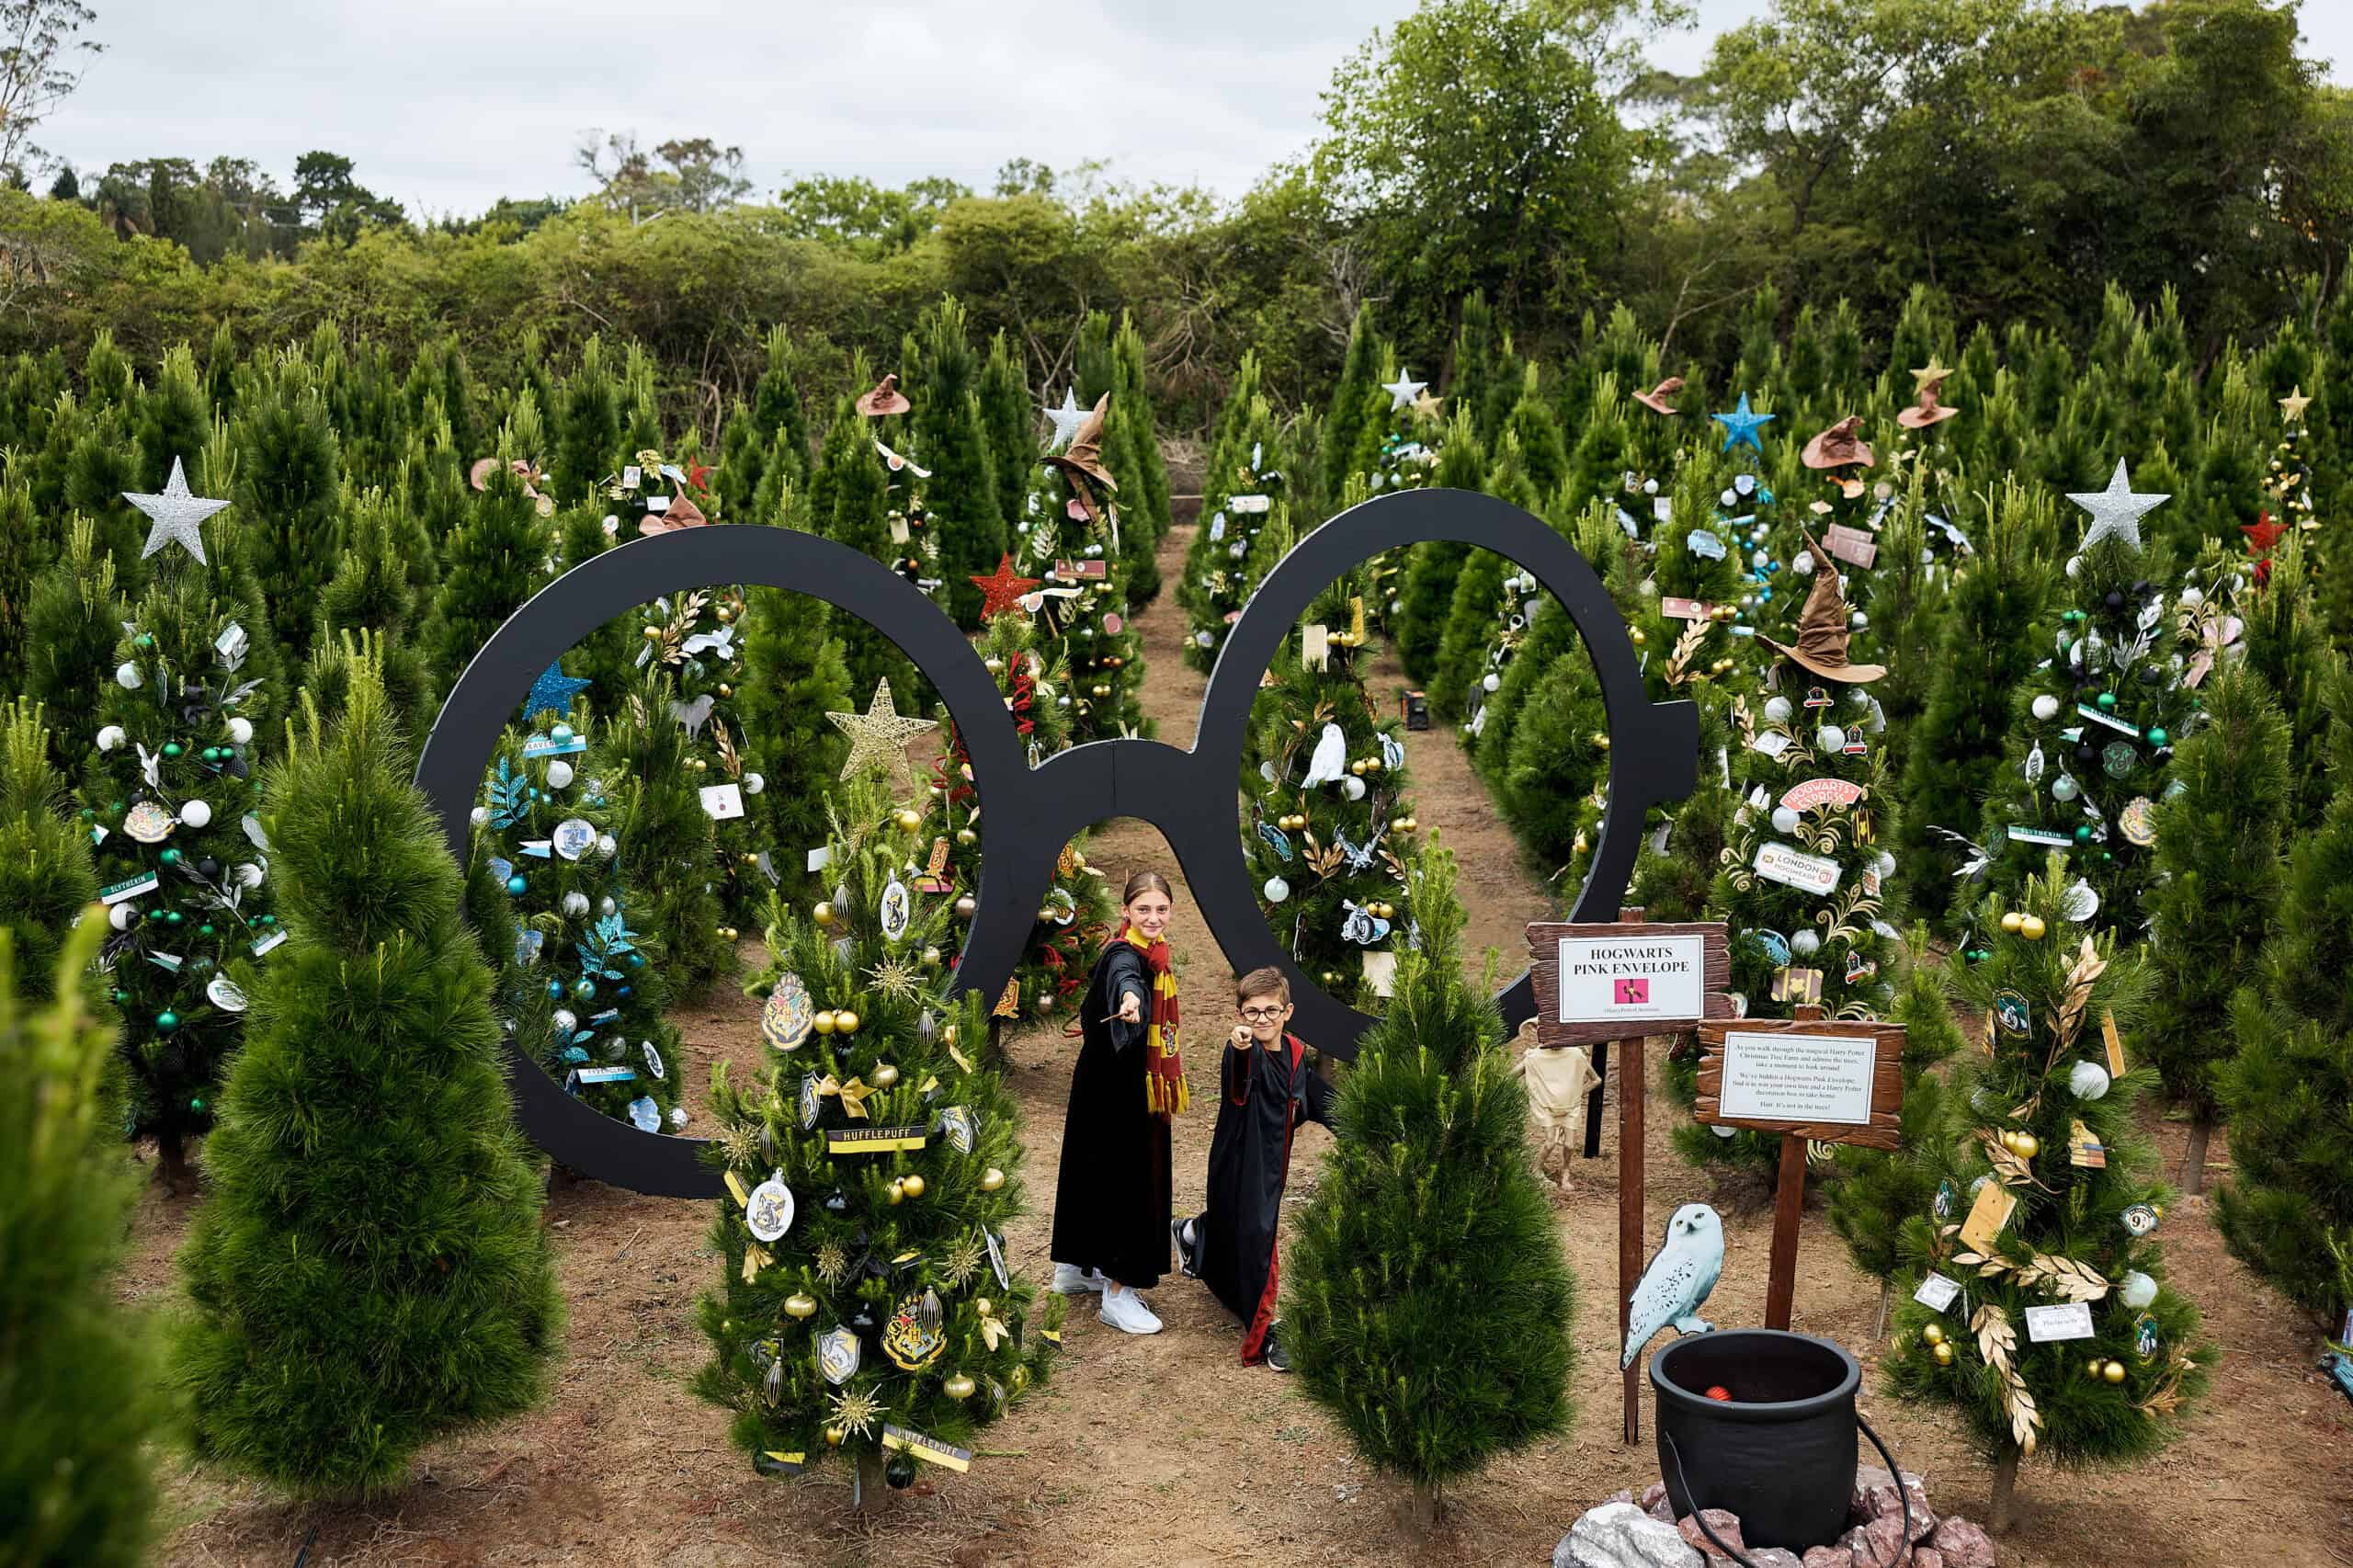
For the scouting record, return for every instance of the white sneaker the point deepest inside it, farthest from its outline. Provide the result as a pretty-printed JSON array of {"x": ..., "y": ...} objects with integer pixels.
[
  {"x": 1072, "y": 1280},
  {"x": 1127, "y": 1313}
]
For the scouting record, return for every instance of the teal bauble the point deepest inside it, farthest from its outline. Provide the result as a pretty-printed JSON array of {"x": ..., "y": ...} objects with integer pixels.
[
  {"x": 584, "y": 988},
  {"x": 166, "y": 1021},
  {"x": 2158, "y": 737},
  {"x": 2108, "y": 702},
  {"x": 171, "y": 748},
  {"x": 2084, "y": 833},
  {"x": 170, "y": 857},
  {"x": 516, "y": 884}
]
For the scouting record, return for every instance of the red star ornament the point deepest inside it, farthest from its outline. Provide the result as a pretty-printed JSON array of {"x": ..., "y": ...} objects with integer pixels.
[
  {"x": 2262, "y": 535},
  {"x": 1001, "y": 590}
]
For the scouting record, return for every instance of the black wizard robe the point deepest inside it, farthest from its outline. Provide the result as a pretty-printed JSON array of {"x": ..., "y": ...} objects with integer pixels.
[
  {"x": 1111, "y": 1193},
  {"x": 1266, "y": 1095}
]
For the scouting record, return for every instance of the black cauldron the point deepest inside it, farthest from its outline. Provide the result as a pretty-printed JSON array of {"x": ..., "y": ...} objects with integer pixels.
[{"x": 1780, "y": 1452}]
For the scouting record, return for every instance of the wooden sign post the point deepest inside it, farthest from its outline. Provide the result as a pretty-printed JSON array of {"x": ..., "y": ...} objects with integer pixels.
[
  {"x": 1625, "y": 982},
  {"x": 1805, "y": 1078}
]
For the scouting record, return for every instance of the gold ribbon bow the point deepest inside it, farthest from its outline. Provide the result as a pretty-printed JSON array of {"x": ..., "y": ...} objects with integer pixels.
[
  {"x": 852, "y": 1094},
  {"x": 755, "y": 1258}
]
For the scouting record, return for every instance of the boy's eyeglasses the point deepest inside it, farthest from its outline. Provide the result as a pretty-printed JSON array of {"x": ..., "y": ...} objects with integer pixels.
[{"x": 1261, "y": 1015}]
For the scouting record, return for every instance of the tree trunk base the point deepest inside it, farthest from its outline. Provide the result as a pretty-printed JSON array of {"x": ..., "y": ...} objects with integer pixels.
[
  {"x": 2193, "y": 1159},
  {"x": 174, "y": 1171},
  {"x": 2001, "y": 1509},
  {"x": 1878, "y": 1330},
  {"x": 872, "y": 1496},
  {"x": 1420, "y": 1509}
]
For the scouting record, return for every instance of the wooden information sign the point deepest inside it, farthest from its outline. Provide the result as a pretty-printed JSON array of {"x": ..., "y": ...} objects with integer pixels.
[
  {"x": 1808, "y": 1079},
  {"x": 1595, "y": 983}
]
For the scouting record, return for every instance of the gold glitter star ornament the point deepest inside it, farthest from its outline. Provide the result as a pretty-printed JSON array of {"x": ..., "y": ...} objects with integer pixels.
[{"x": 877, "y": 737}]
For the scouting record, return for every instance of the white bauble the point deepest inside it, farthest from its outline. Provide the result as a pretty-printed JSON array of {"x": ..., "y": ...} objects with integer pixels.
[
  {"x": 2064, "y": 787},
  {"x": 1778, "y": 710},
  {"x": 1352, "y": 787},
  {"x": 607, "y": 847},
  {"x": 248, "y": 874},
  {"x": 1805, "y": 944},
  {"x": 479, "y": 815},
  {"x": 1759, "y": 558},
  {"x": 1830, "y": 737},
  {"x": 2074, "y": 566},
  {"x": 2192, "y": 598},
  {"x": 1204, "y": 640},
  {"x": 615, "y": 1048},
  {"x": 1720, "y": 1130},
  {"x": 1489, "y": 681},
  {"x": 1647, "y": 587},
  {"x": 121, "y": 916},
  {"x": 678, "y": 1116},
  {"x": 126, "y": 675},
  {"x": 565, "y": 1020},
  {"x": 2137, "y": 1290},
  {"x": 1858, "y": 620},
  {"x": 754, "y": 783},
  {"x": 1885, "y": 865},
  {"x": 559, "y": 774},
  {"x": 2088, "y": 1080},
  {"x": 194, "y": 814},
  {"x": 112, "y": 736},
  {"x": 1784, "y": 820},
  {"x": 607, "y": 906},
  {"x": 1802, "y": 565},
  {"x": 240, "y": 730},
  {"x": 2046, "y": 707},
  {"x": 1276, "y": 890},
  {"x": 575, "y": 904}
]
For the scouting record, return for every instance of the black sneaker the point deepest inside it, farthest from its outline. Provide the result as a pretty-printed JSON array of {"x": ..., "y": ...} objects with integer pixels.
[
  {"x": 1184, "y": 1249},
  {"x": 1276, "y": 1358}
]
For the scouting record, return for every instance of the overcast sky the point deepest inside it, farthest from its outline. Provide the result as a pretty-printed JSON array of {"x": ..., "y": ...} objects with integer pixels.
[{"x": 448, "y": 105}]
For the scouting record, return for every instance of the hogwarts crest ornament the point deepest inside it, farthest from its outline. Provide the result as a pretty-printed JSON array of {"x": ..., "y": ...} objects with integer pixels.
[{"x": 838, "y": 1356}]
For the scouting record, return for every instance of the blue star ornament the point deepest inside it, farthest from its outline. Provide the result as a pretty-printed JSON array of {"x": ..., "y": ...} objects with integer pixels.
[
  {"x": 552, "y": 692},
  {"x": 177, "y": 514},
  {"x": 1741, "y": 427}
]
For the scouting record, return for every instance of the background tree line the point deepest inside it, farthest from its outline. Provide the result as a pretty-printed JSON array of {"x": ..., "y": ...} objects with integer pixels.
[{"x": 2014, "y": 155}]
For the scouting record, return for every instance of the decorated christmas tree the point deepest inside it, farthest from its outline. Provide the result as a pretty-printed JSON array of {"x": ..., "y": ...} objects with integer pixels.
[
  {"x": 692, "y": 644},
  {"x": 866, "y": 1302},
  {"x": 2092, "y": 737},
  {"x": 962, "y": 498},
  {"x": 1073, "y": 542},
  {"x": 182, "y": 857},
  {"x": 2047, "y": 1202},
  {"x": 2216, "y": 898},
  {"x": 1246, "y": 480},
  {"x": 585, "y": 982},
  {"x": 793, "y": 675},
  {"x": 1434, "y": 1368},
  {"x": 659, "y": 782},
  {"x": 1332, "y": 829},
  {"x": 78, "y": 1387},
  {"x": 2285, "y": 1210},
  {"x": 1077, "y": 915},
  {"x": 1804, "y": 884},
  {"x": 370, "y": 1273}
]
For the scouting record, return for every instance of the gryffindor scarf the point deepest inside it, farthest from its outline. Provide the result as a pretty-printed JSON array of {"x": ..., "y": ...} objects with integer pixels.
[{"x": 1164, "y": 1069}]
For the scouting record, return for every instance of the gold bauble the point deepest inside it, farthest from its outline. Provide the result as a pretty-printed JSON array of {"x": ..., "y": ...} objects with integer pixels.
[
  {"x": 823, "y": 913},
  {"x": 2032, "y": 927},
  {"x": 931, "y": 958},
  {"x": 2012, "y": 921},
  {"x": 798, "y": 1305},
  {"x": 1102, "y": 690},
  {"x": 1412, "y": 824},
  {"x": 1600, "y": 740},
  {"x": 885, "y": 1075},
  {"x": 991, "y": 1179},
  {"x": 846, "y": 1021},
  {"x": 1396, "y": 825},
  {"x": 725, "y": 689},
  {"x": 959, "y": 1387},
  {"x": 700, "y": 765},
  {"x": 728, "y": 931},
  {"x": 983, "y": 1306},
  {"x": 750, "y": 859},
  {"x": 1021, "y": 1379},
  {"x": 2010, "y": 1138},
  {"x": 724, "y": 614},
  {"x": 652, "y": 632},
  {"x": 2028, "y": 1145},
  {"x": 1934, "y": 1334},
  {"x": 834, "y": 1436},
  {"x": 1373, "y": 765},
  {"x": 914, "y": 1185},
  {"x": 1638, "y": 636},
  {"x": 822, "y": 1023},
  {"x": 2092, "y": 1367},
  {"x": 909, "y": 819},
  {"x": 1357, "y": 768},
  {"x": 898, "y": 1192},
  {"x": 964, "y": 907},
  {"x": 967, "y": 837},
  {"x": 2113, "y": 1372},
  {"x": 1943, "y": 1353}
]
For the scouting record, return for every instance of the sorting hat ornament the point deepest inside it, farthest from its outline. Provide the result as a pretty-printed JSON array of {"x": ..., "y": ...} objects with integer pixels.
[
  {"x": 1841, "y": 445},
  {"x": 1823, "y": 632},
  {"x": 1083, "y": 459},
  {"x": 886, "y": 398},
  {"x": 1656, "y": 399},
  {"x": 1928, "y": 386}
]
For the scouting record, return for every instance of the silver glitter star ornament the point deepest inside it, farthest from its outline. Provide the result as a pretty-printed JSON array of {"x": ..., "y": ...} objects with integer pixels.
[
  {"x": 178, "y": 516},
  {"x": 1067, "y": 419},
  {"x": 2116, "y": 510},
  {"x": 1403, "y": 391}
]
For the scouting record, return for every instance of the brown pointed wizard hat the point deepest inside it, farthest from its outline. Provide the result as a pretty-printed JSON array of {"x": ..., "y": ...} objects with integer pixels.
[
  {"x": 1929, "y": 410},
  {"x": 1839, "y": 446},
  {"x": 1656, "y": 399},
  {"x": 1823, "y": 632},
  {"x": 886, "y": 398},
  {"x": 1085, "y": 454}
]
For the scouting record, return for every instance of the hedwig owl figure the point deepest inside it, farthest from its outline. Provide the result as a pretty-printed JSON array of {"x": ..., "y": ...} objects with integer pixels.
[{"x": 1678, "y": 1279}]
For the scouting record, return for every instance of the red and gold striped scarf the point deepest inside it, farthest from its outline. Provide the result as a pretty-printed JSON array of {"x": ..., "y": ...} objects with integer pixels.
[{"x": 1164, "y": 1069}]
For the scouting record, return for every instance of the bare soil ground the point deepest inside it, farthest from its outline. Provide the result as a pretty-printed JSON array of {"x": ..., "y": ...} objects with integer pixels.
[{"x": 1166, "y": 1450}]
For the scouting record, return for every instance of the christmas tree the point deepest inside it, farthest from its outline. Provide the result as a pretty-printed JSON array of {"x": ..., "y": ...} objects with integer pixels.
[
  {"x": 2092, "y": 737},
  {"x": 45, "y": 876},
  {"x": 2286, "y": 1211},
  {"x": 585, "y": 982},
  {"x": 2047, "y": 1200},
  {"x": 1433, "y": 1367},
  {"x": 2287, "y": 645},
  {"x": 2216, "y": 897},
  {"x": 961, "y": 499},
  {"x": 692, "y": 644},
  {"x": 494, "y": 560},
  {"x": 371, "y": 593},
  {"x": 289, "y": 479},
  {"x": 659, "y": 782},
  {"x": 1332, "y": 828},
  {"x": 181, "y": 854},
  {"x": 866, "y": 1302},
  {"x": 370, "y": 1273},
  {"x": 793, "y": 675},
  {"x": 1246, "y": 479},
  {"x": 1073, "y": 541},
  {"x": 72, "y": 620},
  {"x": 78, "y": 1385}
]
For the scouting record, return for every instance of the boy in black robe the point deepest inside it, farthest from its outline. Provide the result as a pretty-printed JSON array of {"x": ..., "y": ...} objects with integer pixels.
[{"x": 1268, "y": 1090}]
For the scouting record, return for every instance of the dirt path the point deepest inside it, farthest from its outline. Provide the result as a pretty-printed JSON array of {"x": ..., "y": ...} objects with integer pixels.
[{"x": 1166, "y": 1450}]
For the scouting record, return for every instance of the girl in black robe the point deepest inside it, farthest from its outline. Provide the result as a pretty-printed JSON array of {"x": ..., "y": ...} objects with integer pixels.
[
  {"x": 1268, "y": 1090},
  {"x": 1112, "y": 1195}
]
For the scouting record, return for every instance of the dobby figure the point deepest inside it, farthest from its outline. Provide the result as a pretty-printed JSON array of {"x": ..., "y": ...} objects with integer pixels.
[{"x": 1558, "y": 1078}]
